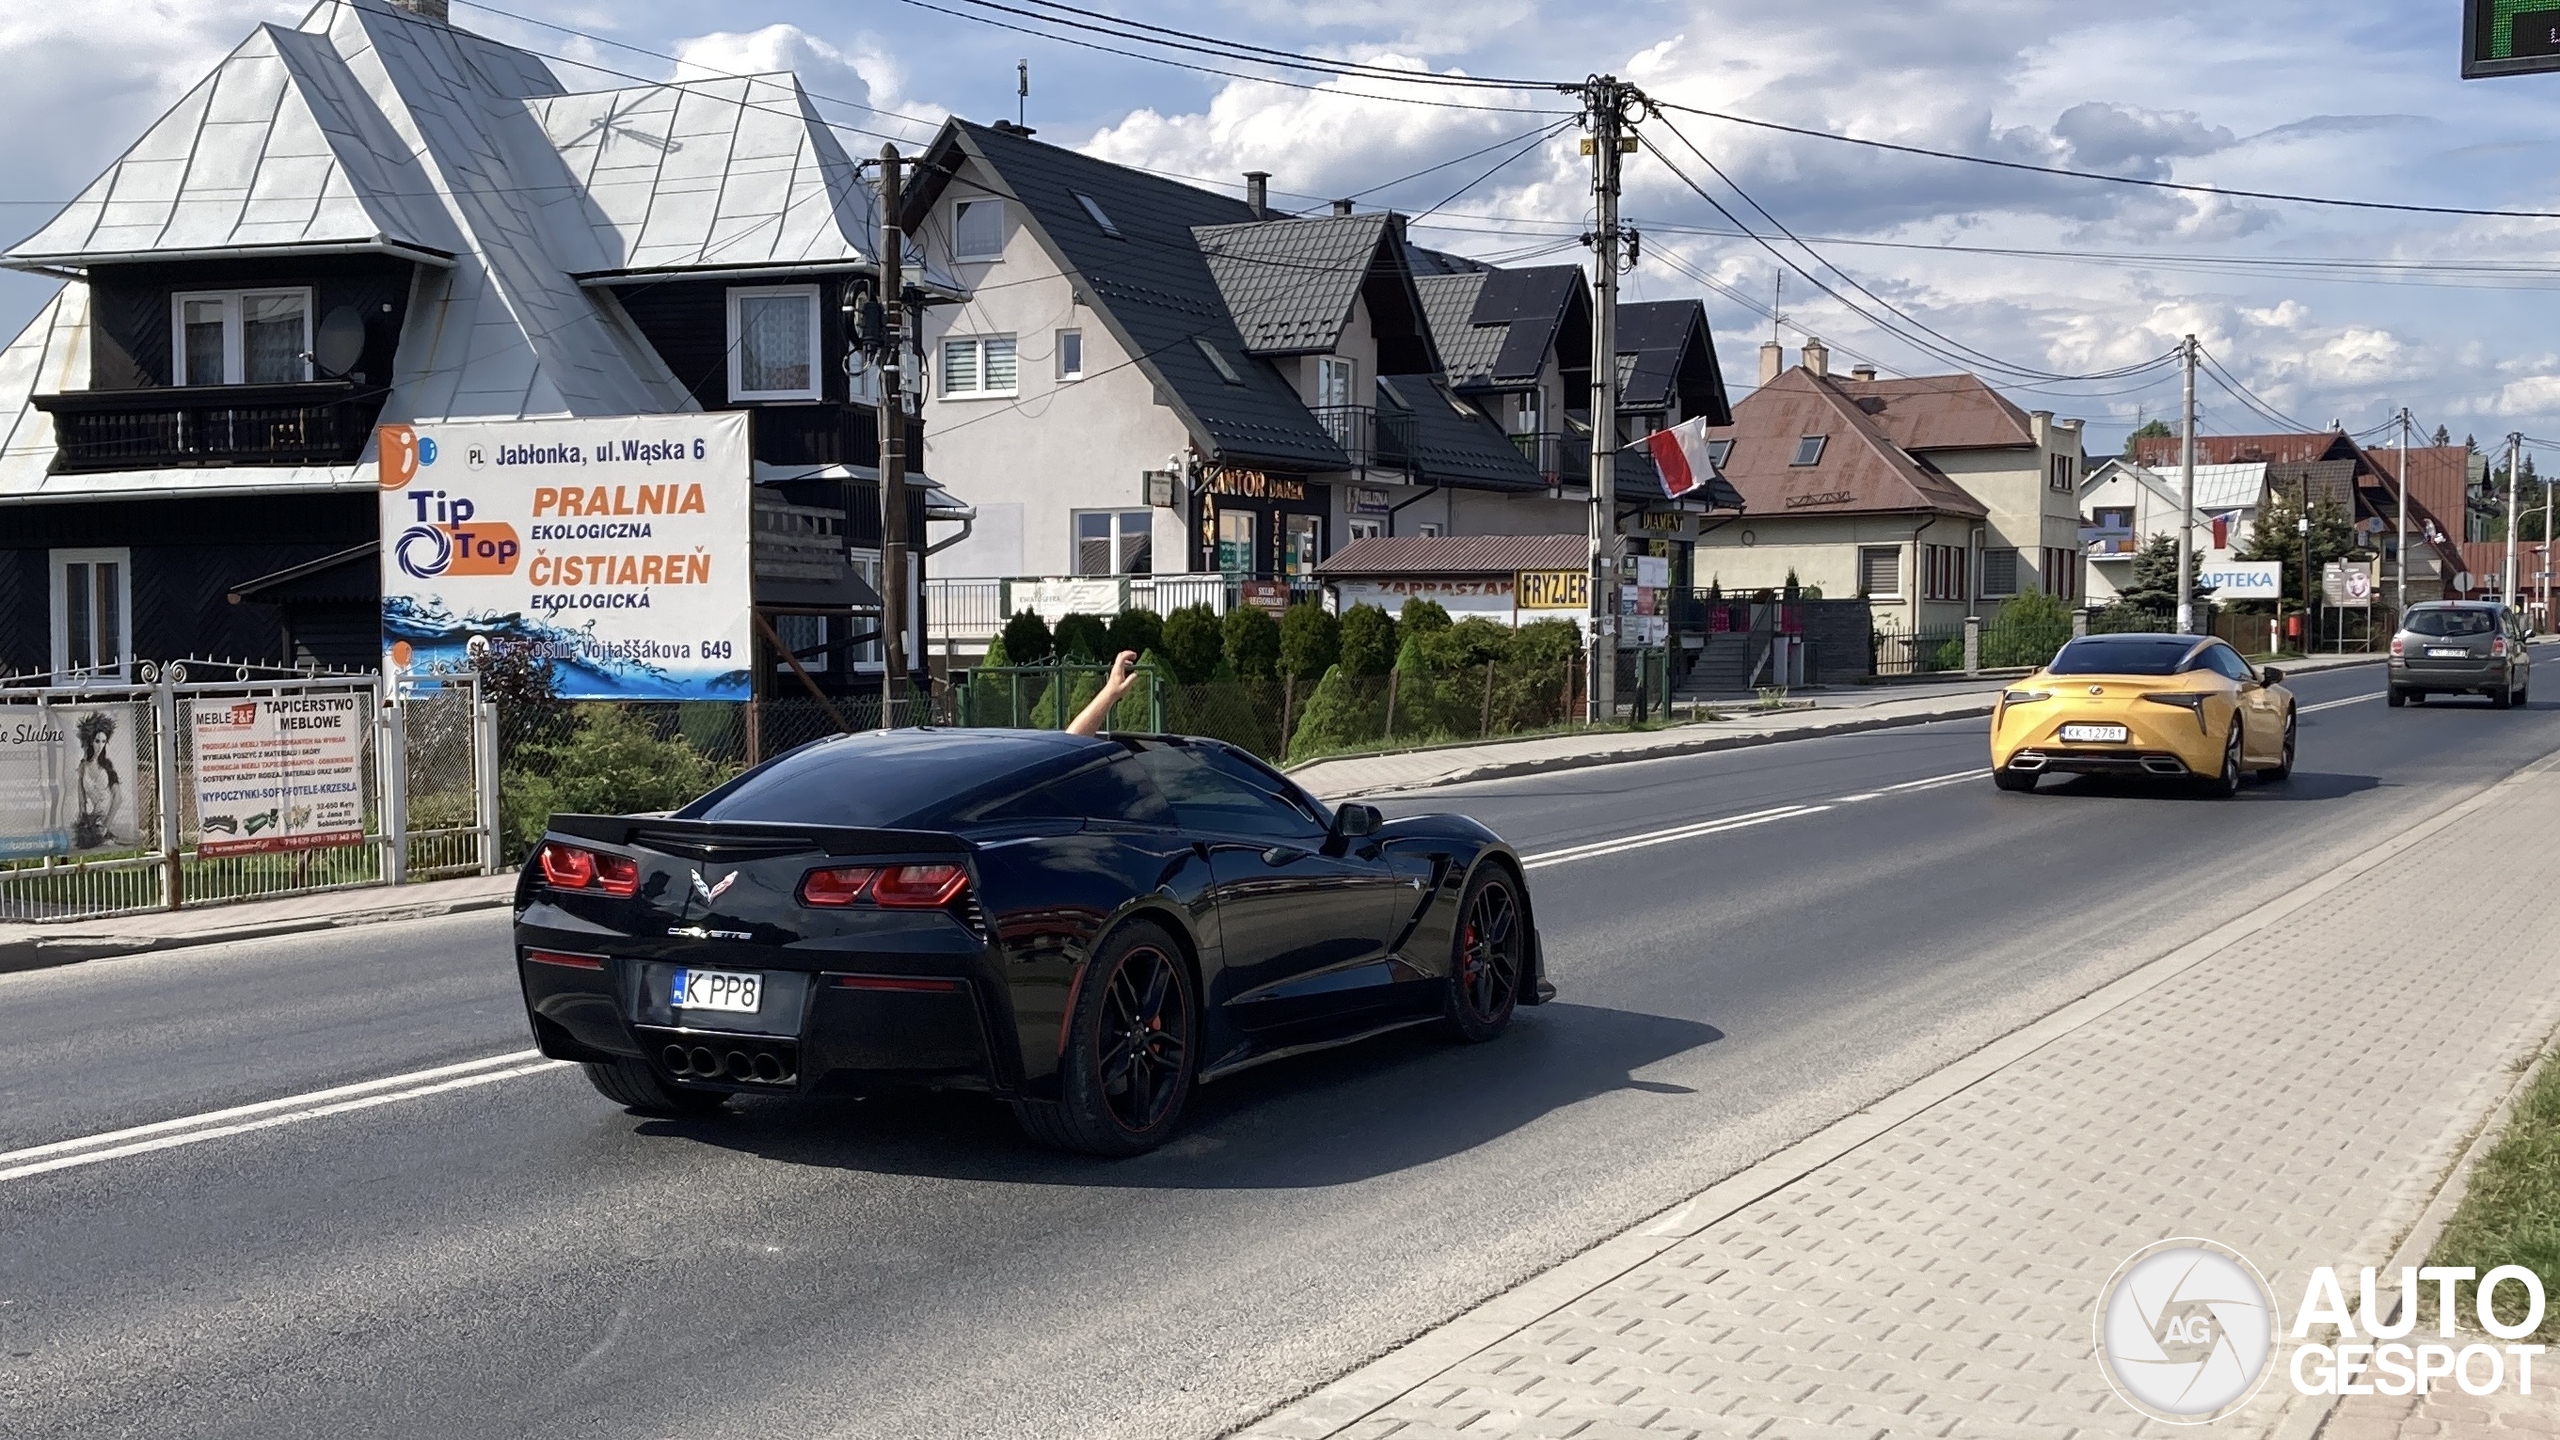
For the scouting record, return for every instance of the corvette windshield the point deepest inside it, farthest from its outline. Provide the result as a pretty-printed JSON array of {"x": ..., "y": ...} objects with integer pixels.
[{"x": 2123, "y": 655}]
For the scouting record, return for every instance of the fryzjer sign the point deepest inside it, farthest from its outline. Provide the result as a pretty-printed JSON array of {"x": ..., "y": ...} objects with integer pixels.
[
  {"x": 280, "y": 773},
  {"x": 618, "y": 549}
]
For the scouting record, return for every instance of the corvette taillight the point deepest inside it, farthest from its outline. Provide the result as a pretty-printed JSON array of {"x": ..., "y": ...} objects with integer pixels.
[
  {"x": 919, "y": 887},
  {"x": 832, "y": 889},
  {"x": 567, "y": 867}
]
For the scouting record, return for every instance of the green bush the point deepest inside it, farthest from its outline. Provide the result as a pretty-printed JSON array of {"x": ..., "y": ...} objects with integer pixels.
[
  {"x": 612, "y": 762},
  {"x": 1002, "y": 700},
  {"x": 1136, "y": 630},
  {"x": 1421, "y": 614},
  {"x": 2027, "y": 631},
  {"x": 1251, "y": 642},
  {"x": 1310, "y": 641},
  {"x": 1368, "y": 641},
  {"x": 1193, "y": 643},
  {"x": 1344, "y": 713},
  {"x": 1027, "y": 638},
  {"x": 1082, "y": 637}
]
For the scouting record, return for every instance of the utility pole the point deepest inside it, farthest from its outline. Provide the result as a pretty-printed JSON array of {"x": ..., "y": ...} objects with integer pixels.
[
  {"x": 893, "y": 445},
  {"x": 2187, "y": 494},
  {"x": 1607, "y": 102},
  {"x": 2400, "y": 531},
  {"x": 2515, "y": 451}
]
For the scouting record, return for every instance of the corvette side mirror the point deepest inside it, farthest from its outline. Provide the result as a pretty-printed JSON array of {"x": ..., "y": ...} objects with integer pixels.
[
  {"x": 1353, "y": 822},
  {"x": 2271, "y": 676}
]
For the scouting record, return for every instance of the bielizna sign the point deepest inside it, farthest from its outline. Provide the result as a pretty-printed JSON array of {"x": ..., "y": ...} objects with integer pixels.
[{"x": 618, "y": 549}]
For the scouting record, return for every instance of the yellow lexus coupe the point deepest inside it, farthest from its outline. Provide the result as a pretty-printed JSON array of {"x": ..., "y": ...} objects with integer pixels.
[{"x": 2183, "y": 707}]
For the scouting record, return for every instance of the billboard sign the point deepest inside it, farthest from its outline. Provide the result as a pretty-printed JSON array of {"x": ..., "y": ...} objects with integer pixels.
[
  {"x": 2347, "y": 583},
  {"x": 618, "y": 548},
  {"x": 68, "y": 780},
  {"x": 284, "y": 772},
  {"x": 2232, "y": 580},
  {"x": 2509, "y": 37}
]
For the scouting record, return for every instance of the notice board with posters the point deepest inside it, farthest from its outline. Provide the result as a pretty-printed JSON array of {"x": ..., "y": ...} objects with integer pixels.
[
  {"x": 279, "y": 773},
  {"x": 68, "y": 780},
  {"x": 617, "y": 548}
]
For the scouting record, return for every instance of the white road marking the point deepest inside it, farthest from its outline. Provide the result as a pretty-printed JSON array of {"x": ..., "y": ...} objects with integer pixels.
[
  {"x": 1935, "y": 780},
  {"x": 1598, "y": 848},
  {"x": 337, "y": 1100},
  {"x": 2334, "y": 704},
  {"x": 1854, "y": 799}
]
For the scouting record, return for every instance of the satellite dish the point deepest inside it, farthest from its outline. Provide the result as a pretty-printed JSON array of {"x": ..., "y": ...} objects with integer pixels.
[{"x": 340, "y": 343}]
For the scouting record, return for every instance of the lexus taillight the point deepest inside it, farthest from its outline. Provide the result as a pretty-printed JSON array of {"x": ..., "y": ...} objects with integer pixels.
[
  {"x": 919, "y": 887},
  {"x": 835, "y": 888},
  {"x": 568, "y": 867}
]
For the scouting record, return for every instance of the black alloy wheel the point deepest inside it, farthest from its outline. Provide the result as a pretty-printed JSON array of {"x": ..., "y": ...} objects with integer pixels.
[
  {"x": 2227, "y": 783},
  {"x": 2283, "y": 769},
  {"x": 1127, "y": 1067},
  {"x": 1487, "y": 957},
  {"x": 632, "y": 1085}
]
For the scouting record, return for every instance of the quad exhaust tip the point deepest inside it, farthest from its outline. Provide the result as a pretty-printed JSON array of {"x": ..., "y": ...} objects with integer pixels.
[{"x": 760, "y": 1067}]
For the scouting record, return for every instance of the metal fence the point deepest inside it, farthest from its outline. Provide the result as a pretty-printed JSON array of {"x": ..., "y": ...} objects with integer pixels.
[
  {"x": 102, "y": 789},
  {"x": 1924, "y": 651}
]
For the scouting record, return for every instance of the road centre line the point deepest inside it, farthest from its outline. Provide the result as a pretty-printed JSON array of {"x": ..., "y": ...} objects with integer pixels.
[
  {"x": 288, "y": 1117},
  {"x": 1598, "y": 848},
  {"x": 2334, "y": 704}
]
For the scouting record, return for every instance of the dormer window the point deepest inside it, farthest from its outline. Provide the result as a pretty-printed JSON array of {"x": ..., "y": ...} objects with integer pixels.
[
  {"x": 1809, "y": 450},
  {"x": 241, "y": 337},
  {"x": 773, "y": 343},
  {"x": 977, "y": 230}
]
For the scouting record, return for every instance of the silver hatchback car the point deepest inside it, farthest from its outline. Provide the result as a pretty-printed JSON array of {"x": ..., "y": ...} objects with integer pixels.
[{"x": 2460, "y": 647}]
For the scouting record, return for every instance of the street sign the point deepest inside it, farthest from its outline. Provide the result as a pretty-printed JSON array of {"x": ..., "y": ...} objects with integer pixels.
[
  {"x": 2509, "y": 37},
  {"x": 2242, "y": 580}
]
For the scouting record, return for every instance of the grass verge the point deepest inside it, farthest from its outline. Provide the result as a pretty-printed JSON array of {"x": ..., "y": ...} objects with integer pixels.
[{"x": 2510, "y": 1215}]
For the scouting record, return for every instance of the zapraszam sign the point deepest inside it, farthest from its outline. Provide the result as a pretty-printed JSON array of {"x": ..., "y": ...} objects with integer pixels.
[
  {"x": 618, "y": 549},
  {"x": 280, "y": 773}
]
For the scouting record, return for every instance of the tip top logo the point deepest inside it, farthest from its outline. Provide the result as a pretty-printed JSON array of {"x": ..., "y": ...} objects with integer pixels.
[
  {"x": 445, "y": 541},
  {"x": 2186, "y": 1331}
]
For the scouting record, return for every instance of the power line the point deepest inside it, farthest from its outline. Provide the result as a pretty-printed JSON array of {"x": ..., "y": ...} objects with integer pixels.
[
  {"x": 2277, "y": 195},
  {"x": 1535, "y": 141},
  {"x": 1122, "y": 29}
]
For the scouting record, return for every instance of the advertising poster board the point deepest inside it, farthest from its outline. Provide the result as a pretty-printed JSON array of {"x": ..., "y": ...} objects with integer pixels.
[
  {"x": 618, "y": 548},
  {"x": 278, "y": 773},
  {"x": 68, "y": 780}
]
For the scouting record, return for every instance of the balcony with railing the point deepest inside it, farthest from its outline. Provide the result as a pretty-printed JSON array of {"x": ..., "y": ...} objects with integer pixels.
[
  {"x": 324, "y": 422},
  {"x": 1371, "y": 438},
  {"x": 1562, "y": 458}
]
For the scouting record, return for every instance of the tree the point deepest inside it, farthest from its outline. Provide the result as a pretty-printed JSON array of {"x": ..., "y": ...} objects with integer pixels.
[
  {"x": 1421, "y": 616},
  {"x": 1082, "y": 637},
  {"x": 2147, "y": 430},
  {"x": 2278, "y": 537},
  {"x": 2443, "y": 436},
  {"x": 1251, "y": 643},
  {"x": 1368, "y": 641},
  {"x": 2154, "y": 584},
  {"x": 1137, "y": 630},
  {"x": 1310, "y": 641},
  {"x": 1027, "y": 639},
  {"x": 1193, "y": 644}
]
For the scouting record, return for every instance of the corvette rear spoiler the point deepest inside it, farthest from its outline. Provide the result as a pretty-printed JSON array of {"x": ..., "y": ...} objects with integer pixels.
[{"x": 689, "y": 836}]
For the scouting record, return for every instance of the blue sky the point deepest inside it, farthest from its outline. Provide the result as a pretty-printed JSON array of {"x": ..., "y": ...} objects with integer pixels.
[{"x": 2312, "y": 309}]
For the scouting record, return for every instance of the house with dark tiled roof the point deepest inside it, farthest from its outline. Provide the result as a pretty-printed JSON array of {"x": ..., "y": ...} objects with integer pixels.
[
  {"x": 1933, "y": 497},
  {"x": 1153, "y": 379},
  {"x": 2330, "y": 468},
  {"x": 377, "y": 216}
]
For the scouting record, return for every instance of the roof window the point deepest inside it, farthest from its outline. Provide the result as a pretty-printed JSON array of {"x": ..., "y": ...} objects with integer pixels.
[
  {"x": 1217, "y": 361},
  {"x": 1101, "y": 220},
  {"x": 1809, "y": 450}
]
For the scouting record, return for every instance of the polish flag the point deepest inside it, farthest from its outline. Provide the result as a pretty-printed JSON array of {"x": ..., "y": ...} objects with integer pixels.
[{"x": 1680, "y": 453}]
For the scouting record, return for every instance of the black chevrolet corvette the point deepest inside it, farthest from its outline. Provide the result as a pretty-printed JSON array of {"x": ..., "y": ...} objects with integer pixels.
[{"x": 1084, "y": 927}]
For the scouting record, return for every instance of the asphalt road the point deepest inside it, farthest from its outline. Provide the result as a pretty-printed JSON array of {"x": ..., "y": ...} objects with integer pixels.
[{"x": 1750, "y": 944}]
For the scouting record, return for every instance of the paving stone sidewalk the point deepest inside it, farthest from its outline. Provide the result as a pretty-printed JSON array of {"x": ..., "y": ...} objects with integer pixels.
[{"x": 2296, "y": 1085}]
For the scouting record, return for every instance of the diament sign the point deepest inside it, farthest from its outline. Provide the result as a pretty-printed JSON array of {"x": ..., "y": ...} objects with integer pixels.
[{"x": 617, "y": 548}]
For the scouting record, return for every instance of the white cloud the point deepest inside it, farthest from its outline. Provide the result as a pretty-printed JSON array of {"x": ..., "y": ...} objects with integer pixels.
[{"x": 861, "y": 76}]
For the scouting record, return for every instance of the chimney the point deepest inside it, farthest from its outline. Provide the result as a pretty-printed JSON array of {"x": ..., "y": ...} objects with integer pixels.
[
  {"x": 427, "y": 9},
  {"x": 2040, "y": 423},
  {"x": 1007, "y": 127},
  {"x": 1773, "y": 359},
  {"x": 1862, "y": 372},
  {"x": 1257, "y": 193},
  {"x": 1341, "y": 207},
  {"x": 1817, "y": 356}
]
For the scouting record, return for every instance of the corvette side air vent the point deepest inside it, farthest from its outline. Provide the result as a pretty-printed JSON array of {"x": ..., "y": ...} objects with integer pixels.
[{"x": 693, "y": 845}]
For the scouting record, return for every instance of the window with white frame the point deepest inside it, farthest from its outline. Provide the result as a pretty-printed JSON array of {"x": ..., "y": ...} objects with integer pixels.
[
  {"x": 1336, "y": 380},
  {"x": 773, "y": 343},
  {"x": 977, "y": 230},
  {"x": 1115, "y": 542},
  {"x": 1524, "y": 412},
  {"x": 241, "y": 337},
  {"x": 1880, "y": 571},
  {"x": 1999, "y": 572},
  {"x": 92, "y": 613},
  {"x": 1070, "y": 354},
  {"x": 1364, "y": 527},
  {"x": 979, "y": 365},
  {"x": 805, "y": 636}
]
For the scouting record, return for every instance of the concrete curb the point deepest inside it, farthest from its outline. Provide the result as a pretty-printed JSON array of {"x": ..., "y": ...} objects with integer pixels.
[
  {"x": 45, "y": 952},
  {"x": 1334, "y": 1408}
]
